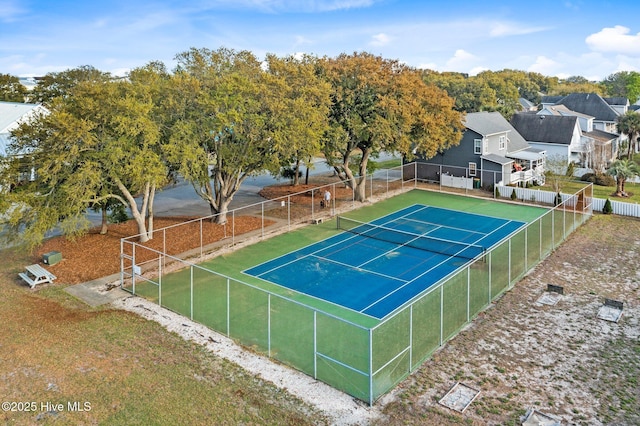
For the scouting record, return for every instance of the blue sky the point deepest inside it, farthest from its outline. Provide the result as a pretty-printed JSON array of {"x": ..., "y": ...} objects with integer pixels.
[{"x": 560, "y": 38}]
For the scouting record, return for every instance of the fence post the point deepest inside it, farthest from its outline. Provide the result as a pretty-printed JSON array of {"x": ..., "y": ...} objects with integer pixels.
[
  {"x": 289, "y": 211},
  {"x": 333, "y": 200},
  {"x": 201, "y": 238}
]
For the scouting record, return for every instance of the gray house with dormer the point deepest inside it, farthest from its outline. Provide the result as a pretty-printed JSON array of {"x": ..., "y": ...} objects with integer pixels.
[
  {"x": 492, "y": 152},
  {"x": 605, "y": 113}
]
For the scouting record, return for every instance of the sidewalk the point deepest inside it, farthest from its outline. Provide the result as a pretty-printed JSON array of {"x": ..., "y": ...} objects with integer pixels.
[{"x": 99, "y": 291}]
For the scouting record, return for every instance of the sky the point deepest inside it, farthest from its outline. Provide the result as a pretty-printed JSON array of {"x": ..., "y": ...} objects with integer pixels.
[{"x": 588, "y": 38}]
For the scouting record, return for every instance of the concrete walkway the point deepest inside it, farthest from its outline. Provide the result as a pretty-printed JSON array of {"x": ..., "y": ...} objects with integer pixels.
[{"x": 98, "y": 292}]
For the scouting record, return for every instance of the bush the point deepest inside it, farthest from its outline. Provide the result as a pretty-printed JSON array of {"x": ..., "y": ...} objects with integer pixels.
[
  {"x": 599, "y": 179},
  {"x": 514, "y": 196},
  {"x": 557, "y": 200},
  {"x": 607, "y": 208},
  {"x": 497, "y": 192}
]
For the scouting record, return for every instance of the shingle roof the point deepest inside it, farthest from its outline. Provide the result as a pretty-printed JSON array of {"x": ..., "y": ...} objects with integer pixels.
[
  {"x": 550, "y": 99},
  {"x": 600, "y": 135},
  {"x": 490, "y": 123},
  {"x": 556, "y": 129},
  {"x": 618, "y": 100},
  {"x": 590, "y": 104},
  {"x": 561, "y": 110}
]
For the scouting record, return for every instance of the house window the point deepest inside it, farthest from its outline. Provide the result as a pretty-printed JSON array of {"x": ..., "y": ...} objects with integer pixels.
[
  {"x": 503, "y": 143},
  {"x": 477, "y": 146},
  {"x": 472, "y": 169}
]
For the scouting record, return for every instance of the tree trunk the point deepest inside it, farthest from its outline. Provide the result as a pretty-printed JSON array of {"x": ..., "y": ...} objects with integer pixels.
[
  {"x": 619, "y": 187},
  {"x": 152, "y": 195},
  {"x": 138, "y": 215},
  {"x": 361, "y": 182},
  {"x": 296, "y": 173},
  {"x": 104, "y": 228}
]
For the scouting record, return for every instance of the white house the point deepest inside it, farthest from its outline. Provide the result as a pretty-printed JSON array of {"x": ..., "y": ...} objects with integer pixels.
[{"x": 11, "y": 115}]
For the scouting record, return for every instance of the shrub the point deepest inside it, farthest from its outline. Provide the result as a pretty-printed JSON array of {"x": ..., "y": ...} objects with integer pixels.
[
  {"x": 607, "y": 208},
  {"x": 599, "y": 179},
  {"x": 514, "y": 196},
  {"x": 557, "y": 200},
  {"x": 497, "y": 194}
]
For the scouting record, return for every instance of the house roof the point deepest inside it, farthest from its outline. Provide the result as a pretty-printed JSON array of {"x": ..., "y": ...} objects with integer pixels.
[
  {"x": 550, "y": 99},
  {"x": 10, "y": 115},
  {"x": 618, "y": 100},
  {"x": 12, "y": 112},
  {"x": 601, "y": 136},
  {"x": 498, "y": 159},
  {"x": 591, "y": 104},
  {"x": 526, "y": 104},
  {"x": 558, "y": 129},
  {"x": 491, "y": 123},
  {"x": 4, "y": 142},
  {"x": 561, "y": 110}
]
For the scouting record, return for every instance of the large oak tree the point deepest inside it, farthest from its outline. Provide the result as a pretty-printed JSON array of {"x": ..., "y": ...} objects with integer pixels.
[
  {"x": 381, "y": 105},
  {"x": 100, "y": 142}
]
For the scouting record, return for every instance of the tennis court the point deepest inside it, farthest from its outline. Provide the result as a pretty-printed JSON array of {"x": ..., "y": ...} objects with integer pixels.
[
  {"x": 362, "y": 301},
  {"x": 374, "y": 268}
]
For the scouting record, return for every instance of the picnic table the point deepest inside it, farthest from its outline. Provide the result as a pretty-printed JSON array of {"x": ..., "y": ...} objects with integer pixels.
[{"x": 36, "y": 274}]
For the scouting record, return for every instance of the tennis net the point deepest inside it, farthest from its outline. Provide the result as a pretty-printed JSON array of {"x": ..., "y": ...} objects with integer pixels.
[{"x": 403, "y": 238}]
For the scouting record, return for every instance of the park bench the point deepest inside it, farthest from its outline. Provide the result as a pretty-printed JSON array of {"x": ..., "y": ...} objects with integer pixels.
[{"x": 36, "y": 274}]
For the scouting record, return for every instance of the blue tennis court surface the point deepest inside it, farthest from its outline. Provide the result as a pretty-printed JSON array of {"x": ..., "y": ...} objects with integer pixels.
[{"x": 376, "y": 267}]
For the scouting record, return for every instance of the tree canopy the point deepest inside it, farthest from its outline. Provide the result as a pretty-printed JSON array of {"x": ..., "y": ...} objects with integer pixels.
[
  {"x": 226, "y": 129},
  {"x": 100, "y": 142},
  {"x": 11, "y": 90},
  {"x": 381, "y": 105}
]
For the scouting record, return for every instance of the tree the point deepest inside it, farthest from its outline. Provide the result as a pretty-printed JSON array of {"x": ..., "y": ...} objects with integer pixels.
[
  {"x": 381, "y": 105},
  {"x": 61, "y": 84},
  {"x": 507, "y": 94},
  {"x": 227, "y": 129},
  {"x": 303, "y": 110},
  {"x": 629, "y": 124},
  {"x": 576, "y": 84},
  {"x": 11, "y": 90},
  {"x": 623, "y": 170},
  {"x": 625, "y": 84},
  {"x": 99, "y": 143},
  {"x": 470, "y": 94}
]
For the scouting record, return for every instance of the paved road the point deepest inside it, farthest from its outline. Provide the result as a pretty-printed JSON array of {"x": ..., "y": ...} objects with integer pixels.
[{"x": 181, "y": 200}]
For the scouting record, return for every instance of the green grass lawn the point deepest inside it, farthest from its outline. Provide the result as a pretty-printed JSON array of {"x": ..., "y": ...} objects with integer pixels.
[{"x": 54, "y": 348}]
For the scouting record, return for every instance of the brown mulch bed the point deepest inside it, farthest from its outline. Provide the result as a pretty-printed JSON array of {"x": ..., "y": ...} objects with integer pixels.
[{"x": 93, "y": 256}]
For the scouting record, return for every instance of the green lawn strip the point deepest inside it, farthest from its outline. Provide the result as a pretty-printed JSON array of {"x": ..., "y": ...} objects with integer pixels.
[
  {"x": 571, "y": 186},
  {"x": 176, "y": 294},
  {"x": 129, "y": 370}
]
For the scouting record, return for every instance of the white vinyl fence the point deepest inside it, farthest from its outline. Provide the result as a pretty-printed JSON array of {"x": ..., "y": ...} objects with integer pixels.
[{"x": 533, "y": 195}]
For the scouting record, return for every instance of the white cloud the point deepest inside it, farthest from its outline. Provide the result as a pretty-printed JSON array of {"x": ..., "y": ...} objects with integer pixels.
[
  {"x": 544, "y": 66},
  {"x": 616, "y": 39},
  {"x": 461, "y": 61},
  {"x": 477, "y": 70},
  {"x": 503, "y": 29},
  {"x": 380, "y": 40}
]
